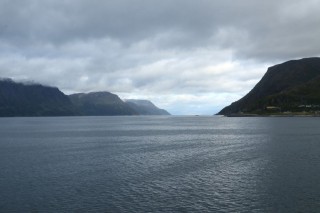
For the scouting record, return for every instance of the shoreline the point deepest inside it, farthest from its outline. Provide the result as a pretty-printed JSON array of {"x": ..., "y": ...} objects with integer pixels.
[{"x": 272, "y": 115}]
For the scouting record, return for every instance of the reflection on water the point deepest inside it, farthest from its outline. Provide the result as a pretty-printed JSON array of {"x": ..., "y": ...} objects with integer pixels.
[{"x": 139, "y": 164}]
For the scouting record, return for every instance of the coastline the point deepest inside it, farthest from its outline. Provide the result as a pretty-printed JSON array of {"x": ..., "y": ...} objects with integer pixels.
[{"x": 272, "y": 115}]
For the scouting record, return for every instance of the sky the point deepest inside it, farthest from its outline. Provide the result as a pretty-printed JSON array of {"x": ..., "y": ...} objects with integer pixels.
[{"x": 186, "y": 56}]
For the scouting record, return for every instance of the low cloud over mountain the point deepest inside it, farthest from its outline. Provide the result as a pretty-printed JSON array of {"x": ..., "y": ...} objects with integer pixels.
[{"x": 167, "y": 51}]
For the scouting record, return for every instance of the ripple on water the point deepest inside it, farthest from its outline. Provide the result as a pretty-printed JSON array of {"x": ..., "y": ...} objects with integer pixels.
[{"x": 160, "y": 164}]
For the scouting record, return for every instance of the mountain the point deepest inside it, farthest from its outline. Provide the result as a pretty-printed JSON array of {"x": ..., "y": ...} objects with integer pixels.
[
  {"x": 293, "y": 86},
  {"x": 22, "y": 99},
  {"x": 101, "y": 103},
  {"x": 145, "y": 107},
  {"x": 18, "y": 99}
]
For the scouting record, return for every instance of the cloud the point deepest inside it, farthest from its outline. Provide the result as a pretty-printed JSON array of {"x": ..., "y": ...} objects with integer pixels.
[{"x": 177, "y": 50}]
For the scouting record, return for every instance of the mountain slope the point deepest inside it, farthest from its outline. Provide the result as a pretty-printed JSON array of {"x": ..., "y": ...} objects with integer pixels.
[
  {"x": 101, "y": 103},
  {"x": 18, "y": 99},
  {"x": 145, "y": 107},
  {"x": 285, "y": 86}
]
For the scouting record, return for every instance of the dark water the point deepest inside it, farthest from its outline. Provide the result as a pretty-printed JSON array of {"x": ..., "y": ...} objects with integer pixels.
[{"x": 159, "y": 164}]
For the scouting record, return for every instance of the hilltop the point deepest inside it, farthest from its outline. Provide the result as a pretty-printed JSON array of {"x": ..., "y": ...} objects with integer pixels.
[
  {"x": 19, "y": 99},
  {"x": 291, "y": 87},
  {"x": 30, "y": 99},
  {"x": 145, "y": 107},
  {"x": 101, "y": 103}
]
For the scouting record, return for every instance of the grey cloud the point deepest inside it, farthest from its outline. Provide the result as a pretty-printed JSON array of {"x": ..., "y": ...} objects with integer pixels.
[
  {"x": 176, "y": 48},
  {"x": 254, "y": 29}
]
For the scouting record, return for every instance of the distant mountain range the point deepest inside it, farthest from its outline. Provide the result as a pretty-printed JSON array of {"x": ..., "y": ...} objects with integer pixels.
[
  {"x": 287, "y": 88},
  {"x": 101, "y": 103},
  {"x": 292, "y": 87},
  {"x": 21, "y": 99},
  {"x": 145, "y": 107}
]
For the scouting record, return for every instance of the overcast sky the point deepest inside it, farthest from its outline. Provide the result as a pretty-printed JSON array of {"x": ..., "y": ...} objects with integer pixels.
[{"x": 187, "y": 56}]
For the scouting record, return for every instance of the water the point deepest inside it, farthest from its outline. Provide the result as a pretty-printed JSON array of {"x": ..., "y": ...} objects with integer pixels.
[{"x": 159, "y": 164}]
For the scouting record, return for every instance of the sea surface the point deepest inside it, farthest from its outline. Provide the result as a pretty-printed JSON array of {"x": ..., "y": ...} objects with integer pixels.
[{"x": 159, "y": 164}]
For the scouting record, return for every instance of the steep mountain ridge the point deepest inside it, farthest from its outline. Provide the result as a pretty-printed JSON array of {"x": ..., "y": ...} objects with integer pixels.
[
  {"x": 145, "y": 107},
  {"x": 282, "y": 86},
  {"x": 29, "y": 99},
  {"x": 18, "y": 99},
  {"x": 101, "y": 103}
]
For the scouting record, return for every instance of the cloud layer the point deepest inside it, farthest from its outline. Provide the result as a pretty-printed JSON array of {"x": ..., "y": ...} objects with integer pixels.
[{"x": 191, "y": 57}]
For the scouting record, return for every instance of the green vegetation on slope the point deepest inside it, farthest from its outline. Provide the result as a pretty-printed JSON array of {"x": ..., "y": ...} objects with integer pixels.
[{"x": 291, "y": 87}]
